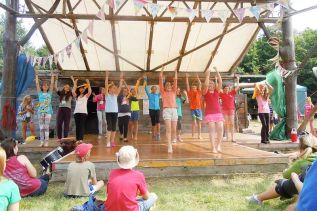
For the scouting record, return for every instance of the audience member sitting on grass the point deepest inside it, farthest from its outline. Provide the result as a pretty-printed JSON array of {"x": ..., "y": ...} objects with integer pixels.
[
  {"x": 9, "y": 195},
  {"x": 285, "y": 188},
  {"x": 22, "y": 172},
  {"x": 125, "y": 184},
  {"x": 81, "y": 175}
]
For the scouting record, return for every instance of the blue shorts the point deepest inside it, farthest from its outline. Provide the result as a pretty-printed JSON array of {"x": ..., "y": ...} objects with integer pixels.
[
  {"x": 135, "y": 115},
  {"x": 197, "y": 114}
]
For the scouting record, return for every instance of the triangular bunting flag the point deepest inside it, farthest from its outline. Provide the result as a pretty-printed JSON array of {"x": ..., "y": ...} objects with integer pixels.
[
  {"x": 91, "y": 28},
  {"x": 84, "y": 36},
  {"x": 69, "y": 50},
  {"x": 77, "y": 42},
  {"x": 50, "y": 60},
  {"x": 101, "y": 13},
  {"x": 110, "y": 3},
  {"x": 34, "y": 61},
  {"x": 118, "y": 3},
  {"x": 239, "y": 13},
  {"x": 255, "y": 10},
  {"x": 138, "y": 5},
  {"x": 207, "y": 14},
  {"x": 191, "y": 14},
  {"x": 270, "y": 7},
  {"x": 223, "y": 15},
  {"x": 56, "y": 56},
  {"x": 154, "y": 9},
  {"x": 173, "y": 12},
  {"x": 44, "y": 61}
]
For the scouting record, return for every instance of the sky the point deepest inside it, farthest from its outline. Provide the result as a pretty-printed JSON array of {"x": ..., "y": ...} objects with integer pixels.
[{"x": 300, "y": 21}]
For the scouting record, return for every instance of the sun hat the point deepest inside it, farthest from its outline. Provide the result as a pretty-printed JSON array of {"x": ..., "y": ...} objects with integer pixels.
[
  {"x": 127, "y": 157},
  {"x": 82, "y": 149}
]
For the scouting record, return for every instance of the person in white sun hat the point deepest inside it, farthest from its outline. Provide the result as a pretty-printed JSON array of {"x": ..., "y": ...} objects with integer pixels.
[{"x": 127, "y": 189}]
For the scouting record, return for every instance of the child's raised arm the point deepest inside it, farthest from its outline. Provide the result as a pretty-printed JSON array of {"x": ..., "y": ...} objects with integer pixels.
[
  {"x": 206, "y": 84},
  {"x": 219, "y": 85}
]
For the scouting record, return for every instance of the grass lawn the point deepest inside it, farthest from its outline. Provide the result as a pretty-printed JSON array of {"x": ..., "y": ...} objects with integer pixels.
[{"x": 180, "y": 194}]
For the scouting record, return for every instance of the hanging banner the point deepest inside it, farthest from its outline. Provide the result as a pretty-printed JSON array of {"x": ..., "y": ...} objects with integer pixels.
[
  {"x": 101, "y": 13},
  {"x": 77, "y": 42},
  {"x": 207, "y": 14},
  {"x": 154, "y": 9},
  {"x": 69, "y": 50},
  {"x": 173, "y": 12},
  {"x": 191, "y": 14},
  {"x": 255, "y": 10},
  {"x": 239, "y": 13},
  {"x": 56, "y": 56},
  {"x": 222, "y": 14},
  {"x": 84, "y": 36},
  {"x": 111, "y": 3},
  {"x": 138, "y": 5}
]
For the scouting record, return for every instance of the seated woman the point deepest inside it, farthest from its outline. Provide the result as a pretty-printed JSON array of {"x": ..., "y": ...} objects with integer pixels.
[
  {"x": 285, "y": 188},
  {"x": 22, "y": 172},
  {"x": 125, "y": 184},
  {"x": 10, "y": 196},
  {"x": 81, "y": 175}
]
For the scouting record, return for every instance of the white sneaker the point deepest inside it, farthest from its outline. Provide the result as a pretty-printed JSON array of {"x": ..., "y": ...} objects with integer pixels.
[
  {"x": 254, "y": 199},
  {"x": 174, "y": 141}
]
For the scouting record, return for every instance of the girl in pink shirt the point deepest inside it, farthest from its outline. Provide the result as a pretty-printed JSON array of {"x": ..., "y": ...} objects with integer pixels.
[
  {"x": 262, "y": 93},
  {"x": 308, "y": 107},
  {"x": 168, "y": 93},
  {"x": 213, "y": 116},
  {"x": 101, "y": 105},
  {"x": 228, "y": 109}
]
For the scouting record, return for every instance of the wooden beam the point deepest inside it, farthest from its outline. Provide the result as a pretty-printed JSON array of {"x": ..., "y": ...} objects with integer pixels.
[
  {"x": 8, "y": 9},
  {"x": 120, "y": 8},
  {"x": 8, "y": 95},
  {"x": 76, "y": 5},
  {"x": 197, "y": 48},
  {"x": 37, "y": 24},
  {"x": 82, "y": 51},
  {"x": 149, "y": 50},
  {"x": 48, "y": 44},
  {"x": 182, "y": 50},
  {"x": 301, "y": 11},
  {"x": 114, "y": 41},
  {"x": 144, "y": 18},
  {"x": 213, "y": 53}
]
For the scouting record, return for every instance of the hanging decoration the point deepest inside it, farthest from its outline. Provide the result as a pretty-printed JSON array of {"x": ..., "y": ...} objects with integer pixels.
[{"x": 154, "y": 9}]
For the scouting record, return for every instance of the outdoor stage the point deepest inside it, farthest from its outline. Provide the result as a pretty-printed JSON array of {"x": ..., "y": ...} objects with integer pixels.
[{"x": 192, "y": 157}]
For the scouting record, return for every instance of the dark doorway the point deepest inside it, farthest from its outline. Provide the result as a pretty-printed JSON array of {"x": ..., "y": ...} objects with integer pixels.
[{"x": 92, "y": 118}]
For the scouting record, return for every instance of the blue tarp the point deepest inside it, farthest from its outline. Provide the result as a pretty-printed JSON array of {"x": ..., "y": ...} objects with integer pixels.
[{"x": 25, "y": 74}]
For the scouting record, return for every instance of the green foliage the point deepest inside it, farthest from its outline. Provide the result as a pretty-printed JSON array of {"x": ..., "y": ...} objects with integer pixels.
[{"x": 257, "y": 59}]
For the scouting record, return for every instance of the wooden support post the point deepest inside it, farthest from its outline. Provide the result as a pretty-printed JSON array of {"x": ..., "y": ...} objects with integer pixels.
[
  {"x": 287, "y": 52},
  {"x": 9, "y": 65}
]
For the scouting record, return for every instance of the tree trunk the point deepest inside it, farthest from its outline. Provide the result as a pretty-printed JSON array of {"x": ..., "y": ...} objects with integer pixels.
[
  {"x": 9, "y": 66},
  {"x": 288, "y": 56}
]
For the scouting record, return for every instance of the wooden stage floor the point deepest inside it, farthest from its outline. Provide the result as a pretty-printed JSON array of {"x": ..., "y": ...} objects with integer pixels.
[{"x": 190, "y": 157}]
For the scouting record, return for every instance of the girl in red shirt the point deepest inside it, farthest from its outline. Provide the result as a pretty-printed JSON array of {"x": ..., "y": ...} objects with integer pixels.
[
  {"x": 213, "y": 116},
  {"x": 228, "y": 109}
]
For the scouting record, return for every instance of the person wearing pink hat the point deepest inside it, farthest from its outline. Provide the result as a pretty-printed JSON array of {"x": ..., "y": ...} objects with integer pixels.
[
  {"x": 81, "y": 175},
  {"x": 125, "y": 183}
]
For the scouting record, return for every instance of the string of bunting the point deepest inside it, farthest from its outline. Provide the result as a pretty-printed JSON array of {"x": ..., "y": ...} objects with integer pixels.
[{"x": 154, "y": 9}]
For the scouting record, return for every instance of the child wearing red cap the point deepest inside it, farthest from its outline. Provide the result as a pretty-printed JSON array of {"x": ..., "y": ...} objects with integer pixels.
[{"x": 81, "y": 175}]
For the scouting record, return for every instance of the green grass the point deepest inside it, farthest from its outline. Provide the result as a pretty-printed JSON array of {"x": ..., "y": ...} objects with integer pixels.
[{"x": 180, "y": 194}]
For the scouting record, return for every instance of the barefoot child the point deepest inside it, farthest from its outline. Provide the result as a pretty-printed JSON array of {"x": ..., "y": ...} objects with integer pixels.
[
  {"x": 124, "y": 112},
  {"x": 228, "y": 110},
  {"x": 45, "y": 110},
  {"x": 80, "y": 112},
  {"x": 213, "y": 116},
  {"x": 112, "y": 93},
  {"x": 135, "y": 110},
  {"x": 101, "y": 105},
  {"x": 194, "y": 95},
  {"x": 25, "y": 114},
  {"x": 154, "y": 108},
  {"x": 81, "y": 175},
  {"x": 180, "y": 100},
  {"x": 170, "y": 116}
]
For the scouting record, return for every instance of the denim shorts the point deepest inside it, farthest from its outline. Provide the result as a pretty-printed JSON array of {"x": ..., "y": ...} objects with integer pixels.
[
  {"x": 135, "y": 115},
  {"x": 197, "y": 114}
]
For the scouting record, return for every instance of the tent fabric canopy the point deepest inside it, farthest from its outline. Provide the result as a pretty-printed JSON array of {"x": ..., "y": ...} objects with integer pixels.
[{"x": 132, "y": 39}]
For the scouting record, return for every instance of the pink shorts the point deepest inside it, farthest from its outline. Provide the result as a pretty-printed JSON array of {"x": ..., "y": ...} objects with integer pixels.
[
  {"x": 228, "y": 112},
  {"x": 218, "y": 117}
]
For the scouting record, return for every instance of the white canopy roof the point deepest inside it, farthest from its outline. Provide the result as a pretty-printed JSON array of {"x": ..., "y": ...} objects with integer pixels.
[{"x": 132, "y": 39}]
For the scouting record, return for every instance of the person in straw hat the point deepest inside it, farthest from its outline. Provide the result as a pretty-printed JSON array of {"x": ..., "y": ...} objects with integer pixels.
[{"x": 125, "y": 184}]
